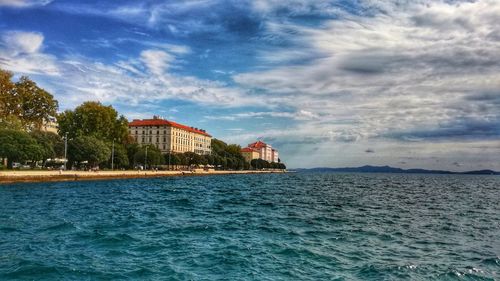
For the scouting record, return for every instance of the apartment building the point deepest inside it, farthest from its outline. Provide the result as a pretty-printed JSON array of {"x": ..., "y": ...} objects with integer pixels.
[
  {"x": 249, "y": 154},
  {"x": 169, "y": 136},
  {"x": 262, "y": 150}
]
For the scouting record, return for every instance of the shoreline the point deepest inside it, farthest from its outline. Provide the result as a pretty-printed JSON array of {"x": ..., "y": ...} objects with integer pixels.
[{"x": 9, "y": 177}]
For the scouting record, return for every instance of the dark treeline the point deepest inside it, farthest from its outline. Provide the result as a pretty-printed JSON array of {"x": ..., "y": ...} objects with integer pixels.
[{"x": 91, "y": 134}]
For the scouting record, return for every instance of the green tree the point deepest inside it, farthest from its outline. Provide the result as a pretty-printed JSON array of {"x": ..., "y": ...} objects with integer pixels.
[
  {"x": 120, "y": 157},
  {"x": 173, "y": 159},
  {"x": 94, "y": 119},
  {"x": 132, "y": 149},
  {"x": 19, "y": 146},
  {"x": 11, "y": 122},
  {"x": 88, "y": 148},
  {"x": 154, "y": 156},
  {"x": 52, "y": 144},
  {"x": 6, "y": 93},
  {"x": 36, "y": 105}
]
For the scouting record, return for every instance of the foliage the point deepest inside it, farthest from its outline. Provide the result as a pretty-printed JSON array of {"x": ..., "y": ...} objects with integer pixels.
[
  {"x": 18, "y": 146},
  {"x": 52, "y": 144},
  {"x": 88, "y": 148},
  {"x": 36, "y": 104},
  {"x": 24, "y": 100},
  {"x": 227, "y": 156},
  {"x": 94, "y": 119},
  {"x": 259, "y": 164},
  {"x": 11, "y": 122},
  {"x": 120, "y": 157},
  {"x": 6, "y": 91},
  {"x": 153, "y": 157}
]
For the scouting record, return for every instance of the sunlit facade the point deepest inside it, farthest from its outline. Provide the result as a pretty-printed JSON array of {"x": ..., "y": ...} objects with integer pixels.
[{"x": 169, "y": 136}]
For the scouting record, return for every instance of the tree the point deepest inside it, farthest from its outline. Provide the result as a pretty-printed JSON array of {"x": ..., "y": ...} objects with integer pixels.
[
  {"x": 24, "y": 101},
  {"x": 120, "y": 157},
  {"x": 154, "y": 156},
  {"x": 6, "y": 92},
  {"x": 19, "y": 146},
  {"x": 88, "y": 148},
  {"x": 227, "y": 156},
  {"x": 173, "y": 159},
  {"x": 11, "y": 122},
  {"x": 52, "y": 144},
  {"x": 36, "y": 105},
  {"x": 94, "y": 119},
  {"x": 132, "y": 149}
]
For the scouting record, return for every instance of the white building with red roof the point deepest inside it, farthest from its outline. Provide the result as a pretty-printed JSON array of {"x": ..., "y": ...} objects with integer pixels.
[
  {"x": 264, "y": 150},
  {"x": 169, "y": 136}
]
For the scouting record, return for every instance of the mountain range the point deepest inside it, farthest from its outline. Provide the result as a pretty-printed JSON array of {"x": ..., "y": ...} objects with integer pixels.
[{"x": 388, "y": 169}]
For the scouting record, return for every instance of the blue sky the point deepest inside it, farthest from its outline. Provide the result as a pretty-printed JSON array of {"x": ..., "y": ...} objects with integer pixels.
[{"x": 328, "y": 83}]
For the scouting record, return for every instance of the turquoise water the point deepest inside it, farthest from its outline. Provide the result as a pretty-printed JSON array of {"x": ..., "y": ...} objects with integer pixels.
[{"x": 254, "y": 227}]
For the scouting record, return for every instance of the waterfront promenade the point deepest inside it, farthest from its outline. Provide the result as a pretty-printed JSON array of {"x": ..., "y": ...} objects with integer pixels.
[{"x": 45, "y": 176}]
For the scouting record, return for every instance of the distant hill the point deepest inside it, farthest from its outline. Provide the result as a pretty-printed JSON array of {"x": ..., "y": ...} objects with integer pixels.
[{"x": 388, "y": 169}]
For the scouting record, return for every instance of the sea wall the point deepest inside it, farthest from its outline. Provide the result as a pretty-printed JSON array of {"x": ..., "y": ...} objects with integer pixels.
[{"x": 47, "y": 176}]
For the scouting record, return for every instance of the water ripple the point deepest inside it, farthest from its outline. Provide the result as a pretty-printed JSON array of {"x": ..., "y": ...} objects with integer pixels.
[{"x": 247, "y": 227}]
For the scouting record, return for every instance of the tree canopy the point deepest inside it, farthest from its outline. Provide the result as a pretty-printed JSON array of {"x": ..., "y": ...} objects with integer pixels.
[
  {"x": 88, "y": 148},
  {"x": 94, "y": 119},
  {"x": 18, "y": 146},
  {"x": 25, "y": 101},
  {"x": 153, "y": 158}
]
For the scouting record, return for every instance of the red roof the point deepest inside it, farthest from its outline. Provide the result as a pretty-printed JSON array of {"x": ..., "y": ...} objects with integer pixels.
[
  {"x": 248, "y": 149},
  {"x": 162, "y": 122},
  {"x": 258, "y": 144}
]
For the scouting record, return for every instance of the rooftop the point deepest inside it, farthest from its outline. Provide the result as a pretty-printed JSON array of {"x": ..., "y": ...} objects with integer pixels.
[
  {"x": 162, "y": 122},
  {"x": 258, "y": 144},
  {"x": 248, "y": 149}
]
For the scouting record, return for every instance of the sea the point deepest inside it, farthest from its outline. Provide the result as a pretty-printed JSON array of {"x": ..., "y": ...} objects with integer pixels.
[{"x": 295, "y": 226}]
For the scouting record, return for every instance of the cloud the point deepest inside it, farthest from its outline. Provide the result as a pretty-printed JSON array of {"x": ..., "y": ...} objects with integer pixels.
[
  {"x": 405, "y": 69},
  {"x": 24, "y": 3},
  {"x": 297, "y": 115},
  {"x": 157, "y": 61},
  {"x": 22, "y": 52},
  {"x": 23, "y": 42}
]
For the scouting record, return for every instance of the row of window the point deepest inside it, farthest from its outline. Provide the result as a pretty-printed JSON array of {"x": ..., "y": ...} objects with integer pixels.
[
  {"x": 145, "y": 132},
  {"x": 179, "y": 142}
]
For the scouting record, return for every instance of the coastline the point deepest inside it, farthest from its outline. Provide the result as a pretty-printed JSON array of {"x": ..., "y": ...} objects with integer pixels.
[{"x": 7, "y": 177}]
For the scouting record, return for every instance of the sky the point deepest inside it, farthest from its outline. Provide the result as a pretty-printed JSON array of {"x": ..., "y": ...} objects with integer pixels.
[{"x": 406, "y": 83}]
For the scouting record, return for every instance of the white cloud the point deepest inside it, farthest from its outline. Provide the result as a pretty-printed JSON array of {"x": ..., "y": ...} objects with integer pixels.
[
  {"x": 23, "y": 42},
  {"x": 21, "y": 52},
  {"x": 297, "y": 115},
  {"x": 157, "y": 61},
  {"x": 24, "y": 3},
  {"x": 409, "y": 68}
]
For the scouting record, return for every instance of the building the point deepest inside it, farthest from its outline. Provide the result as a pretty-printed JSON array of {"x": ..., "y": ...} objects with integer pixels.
[
  {"x": 169, "y": 136},
  {"x": 50, "y": 125},
  {"x": 249, "y": 154},
  {"x": 264, "y": 151},
  {"x": 275, "y": 155}
]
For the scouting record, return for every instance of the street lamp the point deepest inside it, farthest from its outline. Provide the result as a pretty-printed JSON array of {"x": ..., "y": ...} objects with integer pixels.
[
  {"x": 146, "y": 159},
  {"x": 113, "y": 156},
  {"x": 65, "y": 151},
  {"x": 169, "y": 153}
]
